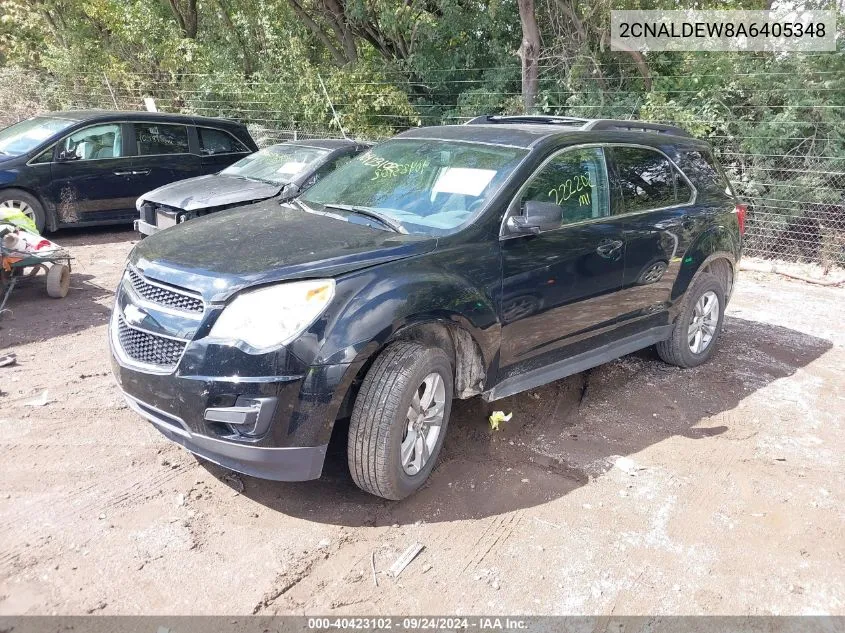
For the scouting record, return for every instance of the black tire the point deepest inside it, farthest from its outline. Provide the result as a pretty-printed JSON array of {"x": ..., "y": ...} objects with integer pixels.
[
  {"x": 37, "y": 210},
  {"x": 676, "y": 350},
  {"x": 379, "y": 418}
]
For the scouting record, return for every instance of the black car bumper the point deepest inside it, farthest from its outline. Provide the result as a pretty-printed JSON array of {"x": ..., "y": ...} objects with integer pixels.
[
  {"x": 273, "y": 427},
  {"x": 298, "y": 463}
]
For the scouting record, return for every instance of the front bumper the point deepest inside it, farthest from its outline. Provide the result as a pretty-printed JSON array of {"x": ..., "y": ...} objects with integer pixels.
[
  {"x": 145, "y": 227},
  {"x": 287, "y": 431},
  {"x": 298, "y": 463},
  {"x": 269, "y": 415}
]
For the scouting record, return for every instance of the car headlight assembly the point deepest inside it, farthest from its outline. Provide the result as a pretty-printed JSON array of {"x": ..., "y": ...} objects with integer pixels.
[{"x": 269, "y": 317}]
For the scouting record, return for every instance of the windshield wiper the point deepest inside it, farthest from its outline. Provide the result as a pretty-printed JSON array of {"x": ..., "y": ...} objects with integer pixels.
[
  {"x": 367, "y": 212},
  {"x": 300, "y": 204},
  {"x": 254, "y": 179}
]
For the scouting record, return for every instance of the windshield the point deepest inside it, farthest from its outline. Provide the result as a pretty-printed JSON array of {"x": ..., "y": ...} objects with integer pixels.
[
  {"x": 427, "y": 186},
  {"x": 278, "y": 164},
  {"x": 27, "y": 135}
]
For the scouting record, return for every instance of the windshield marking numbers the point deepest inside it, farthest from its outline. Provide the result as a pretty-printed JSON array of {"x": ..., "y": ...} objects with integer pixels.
[{"x": 385, "y": 168}]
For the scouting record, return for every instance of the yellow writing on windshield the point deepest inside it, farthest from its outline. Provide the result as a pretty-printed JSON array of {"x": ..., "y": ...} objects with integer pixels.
[{"x": 385, "y": 168}]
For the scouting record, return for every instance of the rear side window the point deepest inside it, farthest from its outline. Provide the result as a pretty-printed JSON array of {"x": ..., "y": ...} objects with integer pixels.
[
  {"x": 647, "y": 180},
  {"x": 701, "y": 169},
  {"x": 218, "y": 142},
  {"x": 161, "y": 138}
]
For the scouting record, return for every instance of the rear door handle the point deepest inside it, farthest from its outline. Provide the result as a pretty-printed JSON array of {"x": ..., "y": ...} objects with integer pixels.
[
  {"x": 609, "y": 248},
  {"x": 123, "y": 173}
]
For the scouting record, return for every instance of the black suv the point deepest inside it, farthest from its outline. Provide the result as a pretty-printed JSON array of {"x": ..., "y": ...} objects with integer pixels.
[
  {"x": 447, "y": 262},
  {"x": 87, "y": 167}
]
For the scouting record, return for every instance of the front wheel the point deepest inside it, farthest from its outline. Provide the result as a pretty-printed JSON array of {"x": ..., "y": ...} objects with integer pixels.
[
  {"x": 698, "y": 326},
  {"x": 399, "y": 419},
  {"x": 16, "y": 200}
]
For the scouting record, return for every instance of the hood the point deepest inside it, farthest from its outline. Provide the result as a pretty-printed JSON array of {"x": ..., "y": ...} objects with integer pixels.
[
  {"x": 219, "y": 254},
  {"x": 214, "y": 190},
  {"x": 10, "y": 162}
]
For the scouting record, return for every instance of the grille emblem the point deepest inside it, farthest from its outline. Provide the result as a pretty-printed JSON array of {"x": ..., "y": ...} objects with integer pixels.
[{"x": 133, "y": 314}]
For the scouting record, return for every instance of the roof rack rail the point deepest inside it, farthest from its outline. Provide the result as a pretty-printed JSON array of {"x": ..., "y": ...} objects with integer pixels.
[
  {"x": 543, "y": 119},
  {"x": 582, "y": 124},
  {"x": 634, "y": 126}
]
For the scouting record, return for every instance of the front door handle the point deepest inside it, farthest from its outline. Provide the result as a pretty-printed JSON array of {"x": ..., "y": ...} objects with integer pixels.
[
  {"x": 609, "y": 249},
  {"x": 123, "y": 173},
  {"x": 142, "y": 172}
]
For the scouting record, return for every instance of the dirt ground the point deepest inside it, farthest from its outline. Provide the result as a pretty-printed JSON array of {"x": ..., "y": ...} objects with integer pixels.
[{"x": 635, "y": 488}]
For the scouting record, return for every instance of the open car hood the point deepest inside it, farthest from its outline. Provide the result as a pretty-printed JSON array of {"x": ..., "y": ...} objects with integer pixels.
[{"x": 214, "y": 190}]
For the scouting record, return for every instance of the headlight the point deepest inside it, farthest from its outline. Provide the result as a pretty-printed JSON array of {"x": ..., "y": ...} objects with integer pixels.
[{"x": 275, "y": 315}]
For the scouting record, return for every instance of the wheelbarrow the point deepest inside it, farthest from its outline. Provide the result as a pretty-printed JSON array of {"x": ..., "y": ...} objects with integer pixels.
[{"x": 16, "y": 265}]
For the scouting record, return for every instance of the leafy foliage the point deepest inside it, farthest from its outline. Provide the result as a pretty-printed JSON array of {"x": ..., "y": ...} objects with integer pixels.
[{"x": 777, "y": 120}]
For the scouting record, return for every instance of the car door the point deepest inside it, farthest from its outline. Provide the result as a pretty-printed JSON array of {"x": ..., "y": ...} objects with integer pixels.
[
  {"x": 560, "y": 288},
  {"x": 91, "y": 175},
  {"x": 163, "y": 155},
  {"x": 218, "y": 149},
  {"x": 657, "y": 203}
]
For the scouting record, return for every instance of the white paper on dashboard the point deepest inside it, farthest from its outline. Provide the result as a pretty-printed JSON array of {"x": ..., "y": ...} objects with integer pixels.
[
  {"x": 463, "y": 180},
  {"x": 291, "y": 168}
]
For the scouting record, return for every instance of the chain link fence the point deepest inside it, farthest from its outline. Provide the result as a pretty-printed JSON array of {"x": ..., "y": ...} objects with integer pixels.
[{"x": 796, "y": 200}]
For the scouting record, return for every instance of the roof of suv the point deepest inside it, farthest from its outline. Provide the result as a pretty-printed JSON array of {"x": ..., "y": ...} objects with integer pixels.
[
  {"x": 327, "y": 143},
  {"x": 136, "y": 115},
  {"x": 526, "y": 132}
]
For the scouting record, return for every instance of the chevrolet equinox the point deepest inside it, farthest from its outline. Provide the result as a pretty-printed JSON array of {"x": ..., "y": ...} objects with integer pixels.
[{"x": 448, "y": 262}]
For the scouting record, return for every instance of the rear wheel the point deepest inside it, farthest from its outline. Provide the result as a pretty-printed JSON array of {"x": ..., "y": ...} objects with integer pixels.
[
  {"x": 698, "y": 326},
  {"x": 18, "y": 200},
  {"x": 399, "y": 419}
]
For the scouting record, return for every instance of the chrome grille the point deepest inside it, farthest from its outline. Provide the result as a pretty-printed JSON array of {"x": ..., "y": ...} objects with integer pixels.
[
  {"x": 143, "y": 347},
  {"x": 163, "y": 296}
]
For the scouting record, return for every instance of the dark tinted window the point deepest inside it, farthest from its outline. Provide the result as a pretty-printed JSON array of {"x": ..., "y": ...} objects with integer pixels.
[
  {"x": 218, "y": 142},
  {"x": 161, "y": 138},
  {"x": 701, "y": 169},
  {"x": 645, "y": 177},
  {"x": 576, "y": 181},
  {"x": 683, "y": 192}
]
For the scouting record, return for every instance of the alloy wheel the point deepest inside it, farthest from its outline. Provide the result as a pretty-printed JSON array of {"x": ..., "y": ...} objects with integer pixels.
[
  {"x": 18, "y": 205},
  {"x": 705, "y": 319},
  {"x": 423, "y": 423}
]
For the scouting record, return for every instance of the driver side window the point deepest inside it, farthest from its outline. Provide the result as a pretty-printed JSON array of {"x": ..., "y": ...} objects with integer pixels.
[
  {"x": 576, "y": 181},
  {"x": 92, "y": 143}
]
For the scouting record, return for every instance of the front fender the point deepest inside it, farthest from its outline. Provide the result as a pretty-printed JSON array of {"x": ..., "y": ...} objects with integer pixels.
[
  {"x": 387, "y": 298},
  {"x": 8, "y": 177}
]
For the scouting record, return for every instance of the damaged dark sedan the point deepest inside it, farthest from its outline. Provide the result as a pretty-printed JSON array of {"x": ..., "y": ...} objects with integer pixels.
[{"x": 284, "y": 170}]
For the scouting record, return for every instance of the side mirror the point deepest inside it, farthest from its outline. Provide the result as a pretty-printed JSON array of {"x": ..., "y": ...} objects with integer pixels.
[{"x": 536, "y": 217}]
